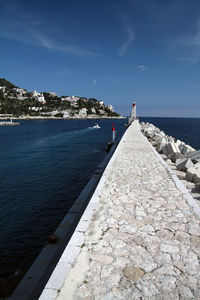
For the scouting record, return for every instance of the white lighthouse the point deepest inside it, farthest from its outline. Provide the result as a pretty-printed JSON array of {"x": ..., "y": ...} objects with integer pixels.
[{"x": 133, "y": 113}]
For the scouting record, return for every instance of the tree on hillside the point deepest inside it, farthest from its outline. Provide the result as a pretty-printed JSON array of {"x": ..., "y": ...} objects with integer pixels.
[{"x": 6, "y": 83}]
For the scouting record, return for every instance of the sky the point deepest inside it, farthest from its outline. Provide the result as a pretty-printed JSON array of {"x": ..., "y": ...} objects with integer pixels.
[{"x": 118, "y": 51}]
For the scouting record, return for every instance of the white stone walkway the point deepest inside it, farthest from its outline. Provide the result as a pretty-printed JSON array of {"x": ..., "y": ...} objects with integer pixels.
[{"x": 143, "y": 241}]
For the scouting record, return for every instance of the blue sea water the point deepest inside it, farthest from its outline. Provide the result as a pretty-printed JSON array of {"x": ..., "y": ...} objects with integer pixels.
[
  {"x": 185, "y": 129},
  {"x": 44, "y": 165}
]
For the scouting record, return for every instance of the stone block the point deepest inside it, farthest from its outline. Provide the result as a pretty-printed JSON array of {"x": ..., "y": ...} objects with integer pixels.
[
  {"x": 48, "y": 294},
  {"x": 186, "y": 149},
  {"x": 194, "y": 155},
  {"x": 151, "y": 135},
  {"x": 164, "y": 150},
  {"x": 58, "y": 276},
  {"x": 194, "y": 170},
  {"x": 196, "y": 178},
  {"x": 170, "y": 139},
  {"x": 180, "y": 145},
  {"x": 172, "y": 148},
  {"x": 183, "y": 164},
  {"x": 176, "y": 156},
  {"x": 160, "y": 146}
]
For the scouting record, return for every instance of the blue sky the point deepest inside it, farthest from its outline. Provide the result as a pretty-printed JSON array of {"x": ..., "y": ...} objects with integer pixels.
[{"x": 147, "y": 51}]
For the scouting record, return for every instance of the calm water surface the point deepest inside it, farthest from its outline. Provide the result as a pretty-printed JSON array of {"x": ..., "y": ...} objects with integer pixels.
[{"x": 44, "y": 165}]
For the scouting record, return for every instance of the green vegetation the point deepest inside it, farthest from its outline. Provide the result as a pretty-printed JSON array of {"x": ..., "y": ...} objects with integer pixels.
[
  {"x": 6, "y": 83},
  {"x": 24, "y": 104}
]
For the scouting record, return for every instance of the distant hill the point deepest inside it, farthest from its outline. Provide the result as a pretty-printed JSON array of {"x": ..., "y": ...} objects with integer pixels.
[{"x": 6, "y": 83}]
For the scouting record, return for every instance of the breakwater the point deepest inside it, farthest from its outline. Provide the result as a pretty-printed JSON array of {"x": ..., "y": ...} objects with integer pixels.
[
  {"x": 138, "y": 237},
  {"x": 4, "y": 123}
]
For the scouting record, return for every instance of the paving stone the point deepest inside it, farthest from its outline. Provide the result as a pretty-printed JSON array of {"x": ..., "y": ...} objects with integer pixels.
[
  {"x": 133, "y": 274},
  {"x": 103, "y": 259}
]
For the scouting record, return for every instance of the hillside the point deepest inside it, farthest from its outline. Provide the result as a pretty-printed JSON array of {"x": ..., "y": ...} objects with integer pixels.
[
  {"x": 21, "y": 103},
  {"x": 6, "y": 83}
]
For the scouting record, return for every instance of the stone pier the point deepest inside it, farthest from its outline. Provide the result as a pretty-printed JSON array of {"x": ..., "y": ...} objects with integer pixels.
[{"x": 139, "y": 237}]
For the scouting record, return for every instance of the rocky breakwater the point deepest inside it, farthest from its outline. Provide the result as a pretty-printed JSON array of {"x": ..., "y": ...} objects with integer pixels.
[{"x": 186, "y": 158}]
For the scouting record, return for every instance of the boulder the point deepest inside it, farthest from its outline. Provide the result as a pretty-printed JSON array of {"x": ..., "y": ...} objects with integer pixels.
[
  {"x": 194, "y": 155},
  {"x": 160, "y": 146},
  {"x": 186, "y": 149},
  {"x": 170, "y": 139},
  {"x": 172, "y": 148},
  {"x": 196, "y": 178},
  {"x": 164, "y": 150},
  {"x": 175, "y": 156},
  {"x": 180, "y": 145},
  {"x": 193, "y": 173},
  {"x": 183, "y": 164}
]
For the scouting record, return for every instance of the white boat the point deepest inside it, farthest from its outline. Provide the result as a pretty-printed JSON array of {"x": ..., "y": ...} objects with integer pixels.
[{"x": 96, "y": 126}]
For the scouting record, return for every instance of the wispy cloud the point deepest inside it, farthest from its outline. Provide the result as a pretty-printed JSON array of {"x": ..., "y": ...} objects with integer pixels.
[
  {"x": 28, "y": 30},
  {"x": 125, "y": 21},
  {"x": 142, "y": 68},
  {"x": 187, "y": 48},
  {"x": 126, "y": 45},
  {"x": 45, "y": 42},
  {"x": 94, "y": 82}
]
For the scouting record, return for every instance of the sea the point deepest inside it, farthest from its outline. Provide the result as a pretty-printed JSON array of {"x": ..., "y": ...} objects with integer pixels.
[{"x": 44, "y": 166}]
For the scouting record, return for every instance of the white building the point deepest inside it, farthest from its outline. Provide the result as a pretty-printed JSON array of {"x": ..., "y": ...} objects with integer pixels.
[
  {"x": 34, "y": 108},
  {"x": 2, "y": 88},
  {"x": 53, "y": 94},
  {"x": 65, "y": 114},
  {"x": 67, "y": 98},
  {"x": 19, "y": 91},
  {"x": 111, "y": 108},
  {"x": 93, "y": 110},
  {"x": 41, "y": 99},
  {"x": 38, "y": 97},
  {"x": 83, "y": 112},
  {"x": 101, "y": 103},
  {"x": 75, "y": 98}
]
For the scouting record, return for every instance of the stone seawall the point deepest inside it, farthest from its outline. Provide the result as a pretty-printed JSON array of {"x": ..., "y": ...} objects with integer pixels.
[{"x": 139, "y": 237}]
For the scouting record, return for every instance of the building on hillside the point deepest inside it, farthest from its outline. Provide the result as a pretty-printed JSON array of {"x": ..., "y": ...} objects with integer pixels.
[
  {"x": 74, "y": 98},
  {"x": 53, "y": 94},
  {"x": 83, "y": 112},
  {"x": 38, "y": 97},
  {"x": 65, "y": 114},
  {"x": 93, "y": 110},
  {"x": 101, "y": 103},
  {"x": 67, "y": 98},
  {"x": 19, "y": 91},
  {"x": 34, "y": 108},
  {"x": 2, "y": 88},
  {"x": 110, "y": 107}
]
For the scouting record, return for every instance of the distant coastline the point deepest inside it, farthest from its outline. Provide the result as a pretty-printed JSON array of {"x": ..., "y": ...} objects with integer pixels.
[{"x": 60, "y": 118}]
